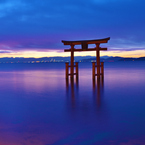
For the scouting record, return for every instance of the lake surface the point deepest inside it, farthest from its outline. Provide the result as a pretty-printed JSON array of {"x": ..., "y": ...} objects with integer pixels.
[{"x": 39, "y": 107}]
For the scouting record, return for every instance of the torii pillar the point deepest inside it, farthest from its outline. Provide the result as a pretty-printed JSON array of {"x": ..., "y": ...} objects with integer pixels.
[{"x": 84, "y": 44}]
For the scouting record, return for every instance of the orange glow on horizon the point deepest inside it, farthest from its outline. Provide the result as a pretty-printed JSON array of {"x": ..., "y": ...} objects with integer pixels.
[{"x": 37, "y": 54}]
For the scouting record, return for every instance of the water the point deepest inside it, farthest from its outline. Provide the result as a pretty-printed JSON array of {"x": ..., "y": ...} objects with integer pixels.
[{"x": 38, "y": 106}]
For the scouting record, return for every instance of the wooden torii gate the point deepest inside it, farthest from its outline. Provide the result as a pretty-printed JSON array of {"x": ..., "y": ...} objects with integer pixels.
[{"x": 84, "y": 45}]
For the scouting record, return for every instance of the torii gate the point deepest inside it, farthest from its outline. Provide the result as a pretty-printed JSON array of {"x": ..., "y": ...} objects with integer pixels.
[{"x": 84, "y": 44}]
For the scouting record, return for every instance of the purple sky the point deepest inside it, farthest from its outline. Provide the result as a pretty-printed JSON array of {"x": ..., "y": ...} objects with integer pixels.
[{"x": 40, "y": 25}]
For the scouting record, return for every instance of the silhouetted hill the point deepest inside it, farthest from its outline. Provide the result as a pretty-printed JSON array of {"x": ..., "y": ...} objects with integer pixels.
[
  {"x": 127, "y": 59},
  {"x": 141, "y": 59},
  {"x": 112, "y": 59}
]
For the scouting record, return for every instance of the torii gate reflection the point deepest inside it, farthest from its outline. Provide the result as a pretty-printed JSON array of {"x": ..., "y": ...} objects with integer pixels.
[
  {"x": 72, "y": 89},
  {"x": 84, "y": 44}
]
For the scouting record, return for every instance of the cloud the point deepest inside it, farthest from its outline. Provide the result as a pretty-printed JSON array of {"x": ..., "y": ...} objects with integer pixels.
[
  {"x": 4, "y": 51},
  {"x": 27, "y": 24}
]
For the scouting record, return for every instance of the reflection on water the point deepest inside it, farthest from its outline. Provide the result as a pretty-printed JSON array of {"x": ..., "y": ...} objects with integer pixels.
[
  {"x": 72, "y": 88},
  {"x": 39, "y": 106},
  {"x": 98, "y": 88},
  {"x": 72, "y": 83}
]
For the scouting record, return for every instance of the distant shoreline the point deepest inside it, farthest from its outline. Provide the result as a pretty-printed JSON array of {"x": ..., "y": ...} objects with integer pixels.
[{"x": 66, "y": 59}]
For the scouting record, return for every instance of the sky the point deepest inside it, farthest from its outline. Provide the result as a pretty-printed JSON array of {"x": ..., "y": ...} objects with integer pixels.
[{"x": 35, "y": 28}]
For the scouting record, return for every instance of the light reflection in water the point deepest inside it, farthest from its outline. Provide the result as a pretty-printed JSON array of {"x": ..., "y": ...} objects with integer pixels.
[
  {"x": 98, "y": 88},
  {"x": 72, "y": 88},
  {"x": 80, "y": 101}
]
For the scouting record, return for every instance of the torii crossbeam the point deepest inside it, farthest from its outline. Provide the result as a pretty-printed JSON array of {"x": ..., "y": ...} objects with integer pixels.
[{"x": 84, "y": 45}]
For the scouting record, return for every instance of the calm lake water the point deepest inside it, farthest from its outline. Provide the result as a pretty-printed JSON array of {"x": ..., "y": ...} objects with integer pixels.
[{"x": 38, "y": 106}]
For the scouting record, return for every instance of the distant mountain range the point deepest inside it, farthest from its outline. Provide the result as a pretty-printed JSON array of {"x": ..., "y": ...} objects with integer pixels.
[
  {"x": 113, "y": 59},
  {"x": 66, "y": 59}
]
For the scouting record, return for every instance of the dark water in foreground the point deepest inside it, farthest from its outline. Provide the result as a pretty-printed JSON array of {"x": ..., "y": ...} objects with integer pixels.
[{"x": 38, "y": 107}]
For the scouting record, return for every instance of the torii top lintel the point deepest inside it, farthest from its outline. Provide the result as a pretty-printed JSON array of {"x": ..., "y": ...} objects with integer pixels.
[
  {"x": 95, "y": 41},
  {"x": 84, "y": 44}
]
